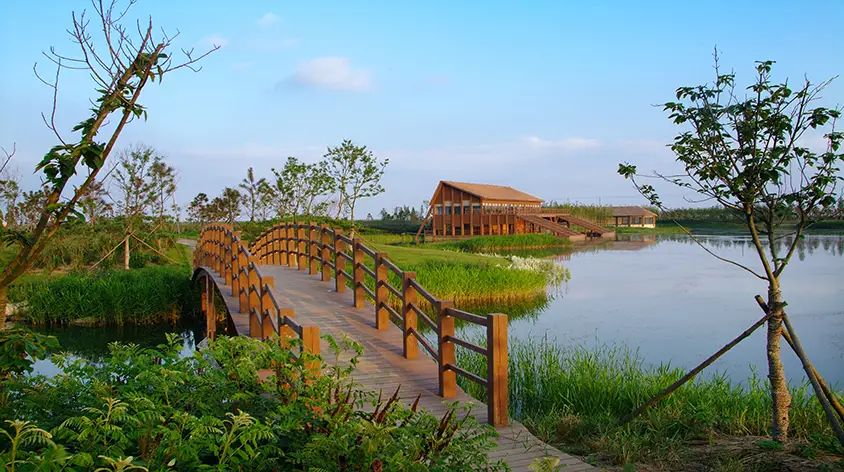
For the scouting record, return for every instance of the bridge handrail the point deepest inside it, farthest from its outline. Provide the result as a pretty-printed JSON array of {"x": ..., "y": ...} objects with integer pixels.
[
  {"x": 325, "y": 251},
  {"x": 221, "y": 249}
]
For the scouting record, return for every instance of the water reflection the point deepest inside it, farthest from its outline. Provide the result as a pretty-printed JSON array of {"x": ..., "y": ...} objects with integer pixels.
[
  {"x": 664, "y": 295},
  {"x": 91, "y": 343}
]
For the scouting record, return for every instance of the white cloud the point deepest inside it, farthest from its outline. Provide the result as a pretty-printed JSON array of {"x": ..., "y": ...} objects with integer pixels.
[
  {"x": 267, "y": 20},
  {"x": 334, "y": 73},
  {"x": 561, "y": 144},
  {"x": 215, "y": 40}
]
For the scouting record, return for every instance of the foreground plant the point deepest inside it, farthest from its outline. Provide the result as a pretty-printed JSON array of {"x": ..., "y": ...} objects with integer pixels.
[
  {"x": 154, "y": 410},
  {"x": 120, "y": 66}
]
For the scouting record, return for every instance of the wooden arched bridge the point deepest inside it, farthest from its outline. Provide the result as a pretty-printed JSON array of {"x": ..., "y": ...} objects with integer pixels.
[{"x": 269, "y": 287}]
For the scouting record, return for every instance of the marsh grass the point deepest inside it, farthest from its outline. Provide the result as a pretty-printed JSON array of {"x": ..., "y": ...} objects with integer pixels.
[
  {"x": 504, "y": 242},
  {"x": 142, "y": 296},
  {"x": 574, "y": 397}
]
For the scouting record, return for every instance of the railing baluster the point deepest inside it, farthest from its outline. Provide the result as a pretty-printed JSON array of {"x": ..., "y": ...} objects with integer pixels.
[
  {"x": 313, "y": 253},
  {"x": 325, "y": 252},
  {"x": 303, "y": 248},
  {"x": 267, "y": 307},
  {"x": 339, "y": 262},
  {"x": 358, "y": 275},
  {"x": 445, "y": 327},
  {"x": 292, "y": 241},
  {"x": 382, "y": 294},
  {"x": 310, "y": 344},
  {"x": 411, "y": 345},
  {"x": 497, "y": 369}
]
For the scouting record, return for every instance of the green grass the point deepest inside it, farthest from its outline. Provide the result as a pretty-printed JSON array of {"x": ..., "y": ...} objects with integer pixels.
[
  {"x": 414, "y": 255},
  {"x": 573, "y": 397},
  {"x": 504, "y": 242},
  {"x": 141, "y": 296}
]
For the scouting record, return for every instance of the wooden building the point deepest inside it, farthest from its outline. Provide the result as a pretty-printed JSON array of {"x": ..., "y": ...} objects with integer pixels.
[
  {"x": 460, "y": 209},
  {"x": 633, "y": 217}
]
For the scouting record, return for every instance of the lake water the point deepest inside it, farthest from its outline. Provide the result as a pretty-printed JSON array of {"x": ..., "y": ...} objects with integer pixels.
[
  {"x": 92, "y": 343},
  {"x": 668, "y": 298}
]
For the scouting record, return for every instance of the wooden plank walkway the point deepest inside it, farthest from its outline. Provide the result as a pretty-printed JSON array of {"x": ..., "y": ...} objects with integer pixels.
[{"x": 382, "y": 366}]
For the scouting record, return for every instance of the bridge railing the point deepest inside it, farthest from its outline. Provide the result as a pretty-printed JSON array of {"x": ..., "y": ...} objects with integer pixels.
[
  {"x": 329, "y": 253},
  {"x": 220, "y": 249}
]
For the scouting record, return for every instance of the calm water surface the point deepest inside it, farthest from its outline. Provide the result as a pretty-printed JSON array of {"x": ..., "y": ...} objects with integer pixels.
[
  {"x": 92, "y": 343},
  {"x": 675, "y": 303}
]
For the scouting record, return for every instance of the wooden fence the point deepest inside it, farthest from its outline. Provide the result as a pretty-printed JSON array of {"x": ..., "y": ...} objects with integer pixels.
[
  {"x": 330, "y": 254},
  {"x": 221, "y": 249}
]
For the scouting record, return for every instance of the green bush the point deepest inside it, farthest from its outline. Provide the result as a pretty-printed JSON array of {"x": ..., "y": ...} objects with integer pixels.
[{"x": 153, "y": 409}]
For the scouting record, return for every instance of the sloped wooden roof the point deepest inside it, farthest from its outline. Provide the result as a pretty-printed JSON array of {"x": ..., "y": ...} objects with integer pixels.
[
  {"x": 493, "y": 192},
  {"x": 631, "y": 211}
]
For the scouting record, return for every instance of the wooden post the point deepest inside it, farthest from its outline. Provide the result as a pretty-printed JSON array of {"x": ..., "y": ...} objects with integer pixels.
[
  {"x": 236, "y": 265},
  {"x": 445, "y": 322},
  {"x": 254, "y": 298},
  {"x": 303, "y": 248},
  {"x": 277, "y": 246},
  {"x": 325, "y": 253},
  {"x": 292, "y": 241},
  {"x": 313, "y": 251},
  {"x": 211, "y": 330},
  {"x": 204, "y": 295},
  {"x": 358, "y": 275},
  {"x": 382, "y": 294},
  {"x": 497, "y": 369},
  {"x": 285, "y": 332},
  {"x": 339, "y": 262},
  {"x": 310, "y": 344},
  {"x": 267, "y": 308},
  {"x": 282, "y": 245},
  {"x": 411, "y": 345}
]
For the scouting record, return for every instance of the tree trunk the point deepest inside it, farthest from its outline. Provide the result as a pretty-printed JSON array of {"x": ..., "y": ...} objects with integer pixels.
[
  {"x": 4, "y": 302},
  {"x": 352, "y": 218},
  {"x": 126, "y": 253},
  {"x": 340, "y": 206},
  {"x": 780, "y": 396}
]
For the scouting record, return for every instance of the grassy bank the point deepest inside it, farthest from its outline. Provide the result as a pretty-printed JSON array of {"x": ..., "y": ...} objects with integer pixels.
[
  {"x": 504, "y": 242},
  {"x": 141, "y": 296},
  {"x": 573, "y": 398},
  {"x": 470, "y": 279}
]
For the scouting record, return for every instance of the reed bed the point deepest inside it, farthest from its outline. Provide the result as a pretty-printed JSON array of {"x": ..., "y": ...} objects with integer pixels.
[
  {"x": 575, "y": 396},
  {"x": 504, "y": 242},
  {"x": 599, "y": 214},
  {"x": 142, "y": 296}
]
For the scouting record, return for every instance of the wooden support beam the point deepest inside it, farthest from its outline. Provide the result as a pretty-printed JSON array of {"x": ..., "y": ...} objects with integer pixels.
[
  {"x": 358, "y": 275},
  {"x": 325, "y": 253},
  {"x": 497, "y": 370},
  {"x": 313, "y": 251},
  {"x": 382, "y": 293},
  {"x": 339, "y": 262},
  {"x": 410, "y": 345},
  {"x": 303, "y": 247},
  {"x": 446, "y": 354}
]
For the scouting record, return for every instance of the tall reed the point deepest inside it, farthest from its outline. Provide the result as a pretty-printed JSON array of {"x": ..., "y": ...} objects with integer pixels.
[
  {"x": 576, "y": 395},
  {"x": 141, "y": 296}
]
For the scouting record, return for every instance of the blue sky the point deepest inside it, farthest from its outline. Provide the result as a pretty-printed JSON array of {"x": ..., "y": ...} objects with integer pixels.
[{"x": 545, "y": 96}]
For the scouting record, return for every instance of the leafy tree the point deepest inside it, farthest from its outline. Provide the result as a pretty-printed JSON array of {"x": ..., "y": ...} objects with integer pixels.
[
  {"x": 197, "y": 209},
  {"x": 266, "y": 200},
  {"x": 748, "y": 153},
  {"x": 163, "y": 185},
  {"x": 135, "y": 181},
  {"x": 94, "y": 203},
  {"x": 120, "y": 67},
  {"x": 252, "y": 193},
  {"x": 228, "y": 205},
  {"x": 10, "y": 192},
  {"x": 304, "y": 187},
  {"x": 356, "y": 172}
]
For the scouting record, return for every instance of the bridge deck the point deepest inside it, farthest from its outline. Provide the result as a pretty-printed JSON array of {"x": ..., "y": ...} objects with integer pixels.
[{"x": 382, "y": 366}]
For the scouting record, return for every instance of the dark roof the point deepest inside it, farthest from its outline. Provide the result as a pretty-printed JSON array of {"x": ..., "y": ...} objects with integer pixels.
[
  {"x": 494, "y": 192},
  {"x": 631, "y": 211}
]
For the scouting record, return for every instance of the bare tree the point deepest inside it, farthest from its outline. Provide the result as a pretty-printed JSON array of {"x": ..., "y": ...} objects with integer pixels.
[{"x": 120, "y": 62}]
